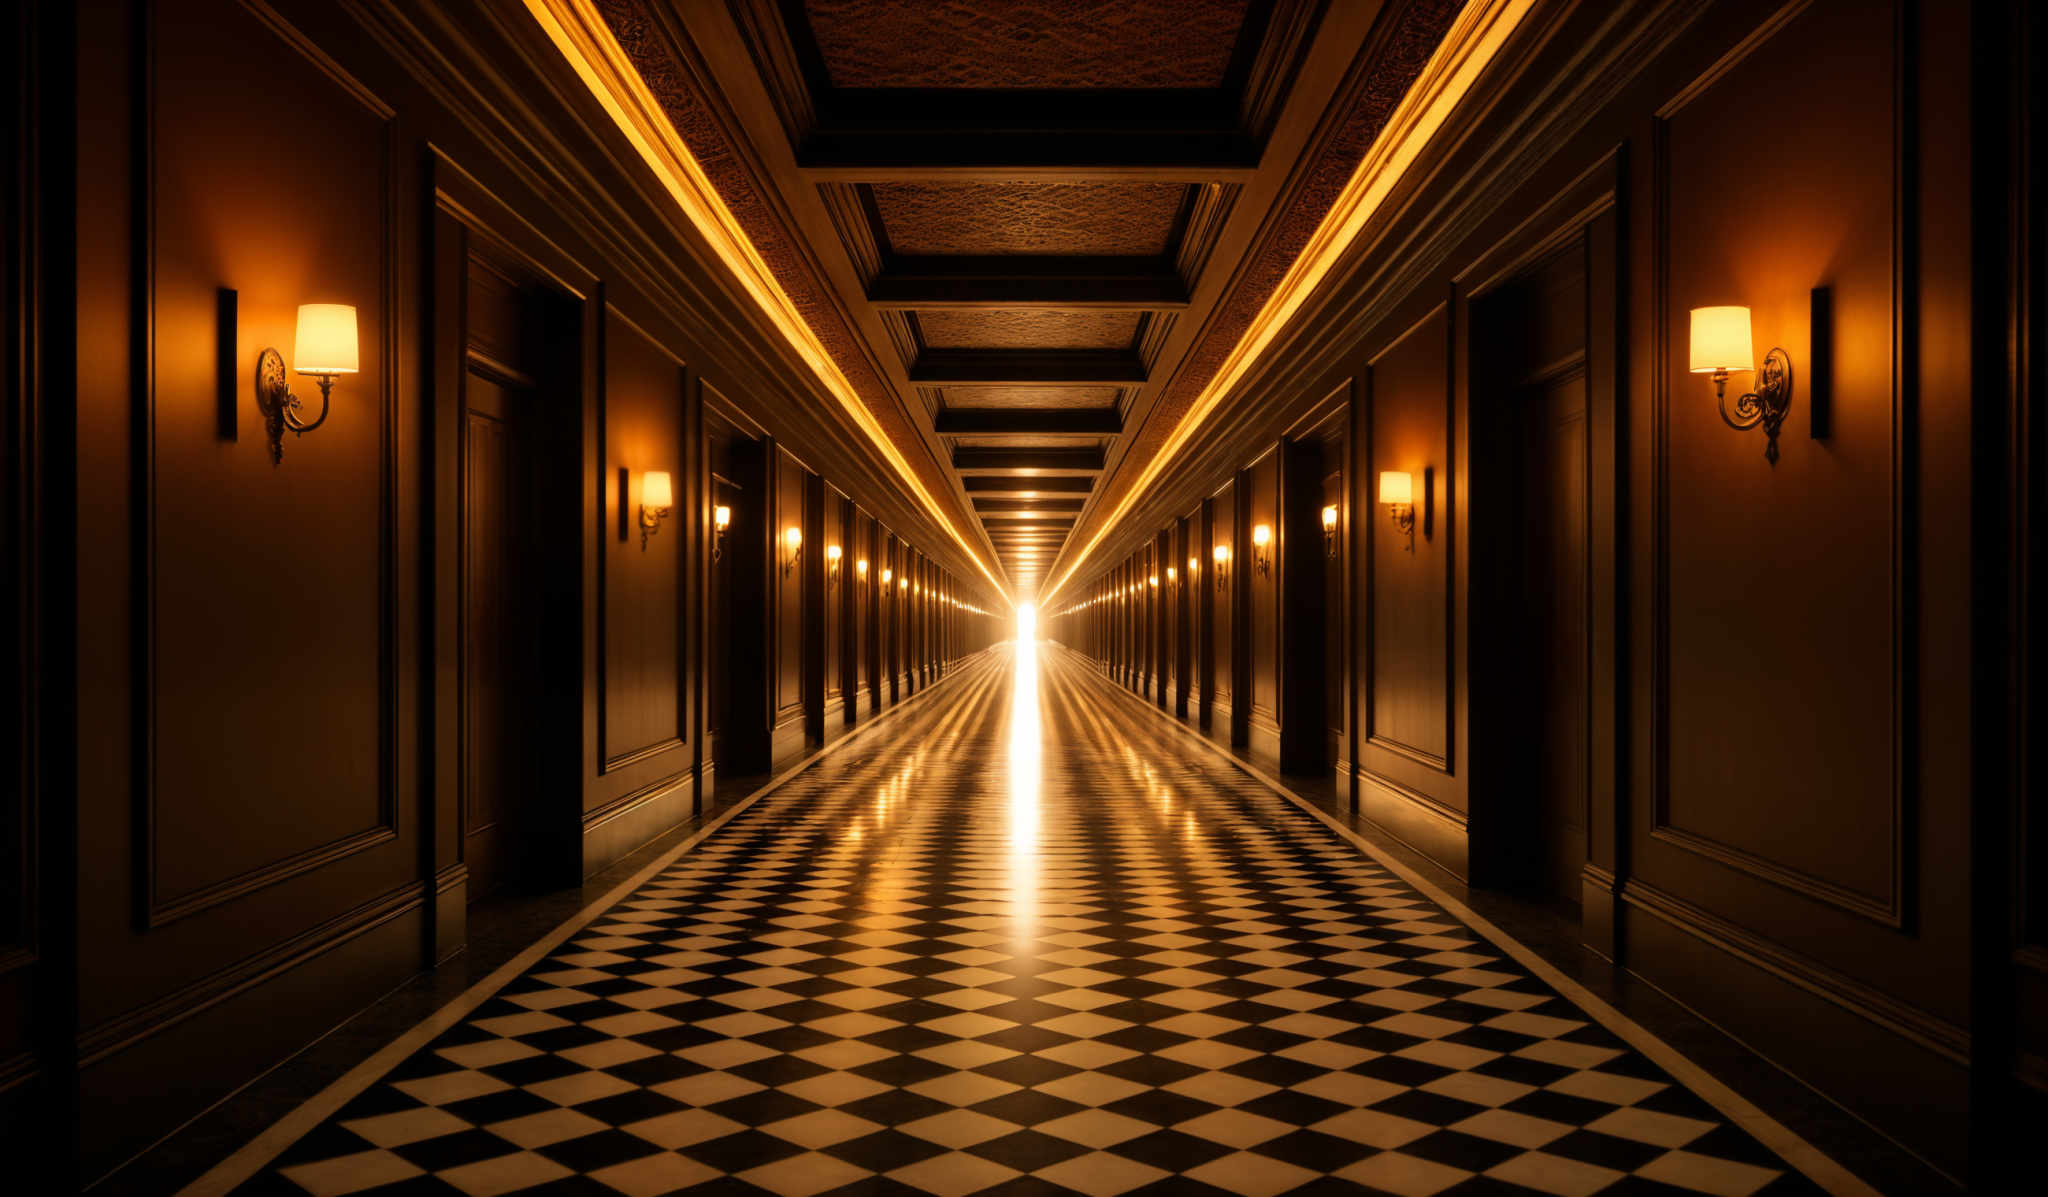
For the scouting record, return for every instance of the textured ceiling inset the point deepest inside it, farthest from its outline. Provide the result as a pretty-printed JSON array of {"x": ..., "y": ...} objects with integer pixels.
[
  {"x": 1011, "y": 440},
  {"x": 1128, "y": 219},
  {"x": 1070, "y": 397},
  {"x": 1026, "y": 43},
  {"x": 1025, "y": 328}
]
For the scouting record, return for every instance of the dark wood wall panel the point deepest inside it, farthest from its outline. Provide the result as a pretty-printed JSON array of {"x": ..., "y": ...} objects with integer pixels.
[
  {"x": 1261, "y": 506},
  {"x": 1222, "y": 596},
  {"x": 789, "y": 478},
  {"x": 1408, "y": 710},
  {"x": 1764, "y": 628},
  {"x": 643, "y": 696},
  {"x": 309, "y": 539}
]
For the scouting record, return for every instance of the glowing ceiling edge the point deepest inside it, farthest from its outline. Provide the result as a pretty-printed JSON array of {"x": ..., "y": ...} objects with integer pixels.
[
  {"x": 1477, "y": 35},
  {"x": 586, "y": 43}
]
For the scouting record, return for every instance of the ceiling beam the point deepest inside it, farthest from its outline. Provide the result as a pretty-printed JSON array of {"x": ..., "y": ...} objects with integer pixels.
[
  {"x": 1027, "y": 461},
  {"x": 881, "y": 150},
  {"x": 1028, "y": 421},
  {"x": 1027, "y": 367}
]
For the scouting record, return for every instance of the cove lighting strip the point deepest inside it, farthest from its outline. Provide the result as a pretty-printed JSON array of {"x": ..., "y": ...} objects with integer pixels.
[
  {"x": 1470, "y": 46},
  {"x": 586, "y": 42}
]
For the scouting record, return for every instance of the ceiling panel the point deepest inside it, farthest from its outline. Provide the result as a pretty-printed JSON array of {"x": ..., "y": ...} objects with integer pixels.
[
  {"x": 1027, "y": 328},
  {"x": 1066, "y": 219},
  {"x": 1026, "y": 43},
  {"x": 1031, "y": 396}
]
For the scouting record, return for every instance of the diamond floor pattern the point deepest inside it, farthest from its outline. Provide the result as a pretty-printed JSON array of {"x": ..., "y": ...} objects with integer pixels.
[{"x": 1026, "y": 945}]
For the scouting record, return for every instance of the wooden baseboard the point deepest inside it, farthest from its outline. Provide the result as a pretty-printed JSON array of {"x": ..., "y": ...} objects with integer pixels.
[
  {"x": 614, "y": 830},
  {"x": 143, "y": 1075},
  {"x": 1438, "y": 832},
  {"x": 1902, "y": 1070}
]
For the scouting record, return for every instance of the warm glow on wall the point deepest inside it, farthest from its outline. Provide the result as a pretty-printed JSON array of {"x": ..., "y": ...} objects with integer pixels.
[{"x": 1396, "y": 487}]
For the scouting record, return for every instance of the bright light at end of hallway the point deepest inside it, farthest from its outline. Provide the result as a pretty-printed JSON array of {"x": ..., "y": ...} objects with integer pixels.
[
  {"x": 1027, "y": 622},
  {"x": 1026, "y": 780}
]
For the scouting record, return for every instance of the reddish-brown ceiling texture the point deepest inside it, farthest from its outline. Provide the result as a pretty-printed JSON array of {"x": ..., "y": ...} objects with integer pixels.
[
  {"x": 1129, "y": 219},
  {"x": 1025, "y": 43},
  {"x": 1030, "y": 231}
]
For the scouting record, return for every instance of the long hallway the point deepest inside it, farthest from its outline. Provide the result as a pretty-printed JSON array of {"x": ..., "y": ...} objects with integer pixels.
[{"x": 1029, "y": 939}]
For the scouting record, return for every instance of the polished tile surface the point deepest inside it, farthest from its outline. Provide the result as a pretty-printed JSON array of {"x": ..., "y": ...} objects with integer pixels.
[{"x": 1026, "y": 939}]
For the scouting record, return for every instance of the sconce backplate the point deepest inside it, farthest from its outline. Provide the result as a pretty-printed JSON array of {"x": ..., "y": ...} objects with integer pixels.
[
  {"x": 1767, "y": 404},
  {"x": 273, "y": 393}
]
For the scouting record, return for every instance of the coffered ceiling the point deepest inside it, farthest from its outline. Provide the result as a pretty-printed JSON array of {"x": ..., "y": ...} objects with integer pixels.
[{"x": 1027, "y": 232}]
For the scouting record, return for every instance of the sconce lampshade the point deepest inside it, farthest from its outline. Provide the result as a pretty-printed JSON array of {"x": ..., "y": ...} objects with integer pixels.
[
  {"x": 793, "y": 536},
  {"x": 721, "y": 517},
  {"x": 832, "y": 552},
  {"x": 1720, "y": 340},
  {"x": 861, "y": 567},
  {"x": 1222, "y": 553},
  {"x": 1329, "y": 518},
  {"x": 656, "y": 489},
  {"x": 1262, "y": 535},
  {"x": 327, "y": 339},
  {"x": 1396, "y": 487}
]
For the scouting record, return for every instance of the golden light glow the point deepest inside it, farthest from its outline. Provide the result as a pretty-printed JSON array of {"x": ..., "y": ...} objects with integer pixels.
[
  {"x": 831, "y": 552},
  {"x": 326, "y": 342},
  {"x": 1478, "y": 34},
  {"x": 579, "y": 31},
  {"x": 1222, "y": 553},
  {"x": 793, "y": 538},
  {"x": 656, "y": 489},
  {"x": 1396, "y": 487},
  {"x": 1720, "y": 340},
  {"x": 721, "y": 517},
  {"x": 1329, "y": 519},
  {"x": 860, "y": 567},
  {"x": 887, "y": 575},
  {"x": 1262, "y": 535}
]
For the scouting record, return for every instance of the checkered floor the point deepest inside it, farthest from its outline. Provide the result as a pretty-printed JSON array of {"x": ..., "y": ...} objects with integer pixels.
[{"x": 1026, "y": 947}]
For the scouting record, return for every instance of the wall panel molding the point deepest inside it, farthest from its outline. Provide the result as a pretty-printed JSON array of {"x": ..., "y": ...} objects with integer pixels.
[
  {"x": 1892, "y": 907},
  {"x": 153, "y": 908}
]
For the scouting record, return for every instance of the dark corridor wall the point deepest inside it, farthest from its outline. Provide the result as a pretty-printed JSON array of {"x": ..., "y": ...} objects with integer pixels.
[
  {"x": 269, "y": 715},
  {"x": 1755, "y": 721}
]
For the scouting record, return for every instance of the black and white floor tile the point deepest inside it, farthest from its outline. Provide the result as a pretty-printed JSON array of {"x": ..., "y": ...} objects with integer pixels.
[{"x": 1026, "y": 942}]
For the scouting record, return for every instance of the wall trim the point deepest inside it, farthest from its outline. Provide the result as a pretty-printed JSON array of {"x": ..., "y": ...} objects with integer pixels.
[
  {"x": 1931, "y": 1032},
  {"x": 144, "y": 1022}
]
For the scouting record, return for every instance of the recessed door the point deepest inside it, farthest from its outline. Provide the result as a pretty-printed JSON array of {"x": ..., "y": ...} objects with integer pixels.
[
  {"x": 502, "y": 661},
  {"x": 1553, "y": 632}
]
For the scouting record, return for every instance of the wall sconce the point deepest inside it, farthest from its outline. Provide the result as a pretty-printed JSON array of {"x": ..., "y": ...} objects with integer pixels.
[
  {"x": 887, "y": 575},
  {"x": 1155, "y": 581},
  {"x": 657, "y": 495},
  {"x": 325, "y": 346},
  {"x": 1397, "y": 492},
  {"x": 1330, "y": 531},
  {"x": 902, "y": 584},
  {"x": 792, "y": 547},
  {"x": 832, "y": 555},
  {"x": 1222, "y": 555},
  {"x": 1262, "y": 540},
  {"x": 1170, "y": 575},
  {"x": 721, "y": 519},
  {"x": 1720, "y": 346},
  {"x": 860, "y": 570}
]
